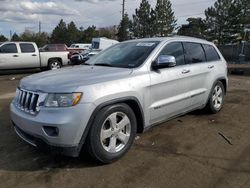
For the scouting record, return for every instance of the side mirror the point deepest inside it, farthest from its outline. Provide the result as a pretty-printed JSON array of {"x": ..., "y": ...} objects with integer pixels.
[{"x": 164, "y": 61}]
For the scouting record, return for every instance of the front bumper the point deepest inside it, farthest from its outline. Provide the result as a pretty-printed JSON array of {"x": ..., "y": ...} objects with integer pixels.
[
  {"x": 43, "y": 145},
  {"x": 70, "y": 122}
]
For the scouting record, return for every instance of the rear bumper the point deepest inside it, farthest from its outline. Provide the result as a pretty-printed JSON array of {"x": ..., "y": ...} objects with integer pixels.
[{"x": 43, "y": 144}]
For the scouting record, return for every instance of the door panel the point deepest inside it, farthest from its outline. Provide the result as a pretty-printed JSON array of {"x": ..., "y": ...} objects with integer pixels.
[
  {"x": 9, "y": 56},
  {"x": 169, "y": 93},
  {"x": 29, "y": 57},
  {"x": 197, "y": 86}
]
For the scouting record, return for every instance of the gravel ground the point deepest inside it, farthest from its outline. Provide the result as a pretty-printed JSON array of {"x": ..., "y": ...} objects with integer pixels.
[{"x": 185, "y": 152}]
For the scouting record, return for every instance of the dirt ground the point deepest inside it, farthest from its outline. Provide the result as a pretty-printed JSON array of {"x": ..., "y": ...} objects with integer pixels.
[{"x": 184, "y": 152}]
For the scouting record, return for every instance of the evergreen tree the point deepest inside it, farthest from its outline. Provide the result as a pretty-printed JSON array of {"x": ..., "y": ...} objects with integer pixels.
[
  {"x": 165, "y": 21},
  {"x": 15, "y": 37},
  {"x": 59, "y": 34},
  {"x": 88, "y": 34},
  {"x": 123, "y": 30},
  {"x": 141, "y": 24},
  {"x": 73, "y": 33},
  {"x": 3, "y": 38},
  {"x": 223, "y": 21},
  {"x": 196, "y": 27}
]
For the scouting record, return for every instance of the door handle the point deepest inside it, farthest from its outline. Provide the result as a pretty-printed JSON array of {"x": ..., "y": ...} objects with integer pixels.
[
  {"x": 210, "y": 66},
  {"x": 15, "y": 55},
  {"x": 185, "y": 71},
  {"x": 34, "y": 55}
]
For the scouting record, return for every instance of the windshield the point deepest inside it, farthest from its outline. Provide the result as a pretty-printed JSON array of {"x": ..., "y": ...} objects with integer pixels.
[{"x": 125, "y": 55}]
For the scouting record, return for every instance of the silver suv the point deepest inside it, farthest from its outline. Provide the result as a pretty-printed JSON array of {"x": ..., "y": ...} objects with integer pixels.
[{"x": 122, "y": 91}]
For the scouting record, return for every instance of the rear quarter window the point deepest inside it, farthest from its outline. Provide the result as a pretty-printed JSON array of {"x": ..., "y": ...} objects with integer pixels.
[
  {"x": 211, "y": 53},
  {"x": 27, "y": 48}
]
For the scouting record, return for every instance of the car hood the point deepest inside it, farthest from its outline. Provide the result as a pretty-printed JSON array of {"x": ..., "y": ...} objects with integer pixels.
[{"x": 70, "y": 78}]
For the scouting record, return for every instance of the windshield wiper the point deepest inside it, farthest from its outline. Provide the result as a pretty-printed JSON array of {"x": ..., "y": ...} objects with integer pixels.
[{"x": 103, "y": 64}]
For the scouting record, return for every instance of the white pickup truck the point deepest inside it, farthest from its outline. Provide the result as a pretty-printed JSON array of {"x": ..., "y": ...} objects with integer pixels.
[{"x": 23, "y": 55}]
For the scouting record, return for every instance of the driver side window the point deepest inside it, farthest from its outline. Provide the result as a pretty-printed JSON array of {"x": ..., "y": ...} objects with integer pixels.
[
  {"x": 8, "y": 48},
  {"x": 174, "y": 49}
]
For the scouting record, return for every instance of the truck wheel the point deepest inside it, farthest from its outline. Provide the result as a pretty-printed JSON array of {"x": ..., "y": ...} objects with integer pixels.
[
  {"x": 216, "y": 98},
  {"x": 112, "y": 133},
  {"x": 54, "y": 64}
]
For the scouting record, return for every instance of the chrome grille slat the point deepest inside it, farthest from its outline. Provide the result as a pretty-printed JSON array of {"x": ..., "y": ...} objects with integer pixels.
[
  {"x": 27, "y": 101},
  {"x": 32, "y": 101}
]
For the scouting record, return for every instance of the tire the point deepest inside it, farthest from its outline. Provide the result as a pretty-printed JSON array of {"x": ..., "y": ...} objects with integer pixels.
[
  {"x": 106, "y": 142},
  {"x": 54, "y": 64},
  {"x": 216, "y": 98}
]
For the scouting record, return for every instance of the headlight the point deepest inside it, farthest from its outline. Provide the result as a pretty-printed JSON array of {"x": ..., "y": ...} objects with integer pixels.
[{"x": 62, "y": 99}]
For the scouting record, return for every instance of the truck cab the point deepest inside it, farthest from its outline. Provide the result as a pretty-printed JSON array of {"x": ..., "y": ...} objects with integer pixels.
[{"x": 15, "y": 55}]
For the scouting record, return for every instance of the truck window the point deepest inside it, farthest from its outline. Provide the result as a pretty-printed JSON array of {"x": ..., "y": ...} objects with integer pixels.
[
  {"x": 95, "y": 45},
  {"x": 8, "y": 48},
  {"x": 27, "y": 48},
  {"x": 211, "y": 53},
  {"x": 194, "y": 52}
]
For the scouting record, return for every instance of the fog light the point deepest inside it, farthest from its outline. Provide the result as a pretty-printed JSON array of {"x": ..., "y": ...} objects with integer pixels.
[{"x": 51, "y": 131}]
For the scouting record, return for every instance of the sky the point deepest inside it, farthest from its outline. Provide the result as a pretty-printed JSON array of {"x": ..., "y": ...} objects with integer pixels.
[{"x": 18, "y": 15}]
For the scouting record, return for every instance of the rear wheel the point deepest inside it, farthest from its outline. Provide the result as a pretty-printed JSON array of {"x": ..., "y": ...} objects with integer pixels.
[
  {"x": 112, "y": 133},
  {"x": 216, "y": 98},
  {"x": 54, "y": 64}
]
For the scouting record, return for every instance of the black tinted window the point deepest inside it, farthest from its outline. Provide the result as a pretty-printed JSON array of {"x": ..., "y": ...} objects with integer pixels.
[
  {"x": 8, "y": 48},
  {"x": 211, "y": 53},
  {"x": 194, "y": 52},
  {"x": 27, "y": 48},
  {"x": 175, "y": 49}
]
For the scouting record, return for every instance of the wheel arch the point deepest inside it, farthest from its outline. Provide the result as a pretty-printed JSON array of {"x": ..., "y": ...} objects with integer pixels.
[
  {"x": 55, "y": 58},
  {"x": 132, "y": 102}
]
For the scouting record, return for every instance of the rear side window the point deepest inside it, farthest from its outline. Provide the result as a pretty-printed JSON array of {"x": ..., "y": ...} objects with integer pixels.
[
  {"x": 8, "y": 48},
  {"x": 211, "y": 53},
  {"x": 194, "y": 52},
  {"x": 27, "y": 48},
  {"x": 174, "y": 49}
]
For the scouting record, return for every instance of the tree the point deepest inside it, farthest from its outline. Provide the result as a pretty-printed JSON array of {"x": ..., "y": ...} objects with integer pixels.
[
  {"x": 141, "y": 24},
  {"x": 15, "y": 37},
  {"x": 224, "y": 21},
  {"x": 123, "y": 29},
  {"x": 59, "y": 34},
  {"x": 73, "y": 33},
  {"x": 88, "y": 34},
  {"x": 165, "y": 21},
  {"x": 196, "y": 27},
  {"x": 109, "y": 32},
  {"x": 3, "y": 38}
]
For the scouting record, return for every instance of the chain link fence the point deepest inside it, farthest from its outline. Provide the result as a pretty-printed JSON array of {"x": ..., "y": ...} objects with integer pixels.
[{"x": 231, "y": 52}]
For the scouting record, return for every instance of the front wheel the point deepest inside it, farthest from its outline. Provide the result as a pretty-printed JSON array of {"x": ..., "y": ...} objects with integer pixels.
[
  {"x": 112, "y": 133},
  {"x": 216, "y": 98},
  {"x": 54, "y": 64}
]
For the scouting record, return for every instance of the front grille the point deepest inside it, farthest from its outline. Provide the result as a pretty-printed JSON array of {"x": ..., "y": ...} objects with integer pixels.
[{"x": 27, "y": 101}]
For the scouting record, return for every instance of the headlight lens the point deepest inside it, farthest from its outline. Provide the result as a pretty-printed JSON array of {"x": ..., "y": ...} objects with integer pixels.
[{"x": 62, "y": 99}]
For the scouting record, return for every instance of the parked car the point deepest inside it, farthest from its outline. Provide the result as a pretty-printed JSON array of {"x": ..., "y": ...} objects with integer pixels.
[
  {"x": 84, "y": 46},
  {"x": 22, "y": 55},
  {"x": 78, "y": 48},
  {"x": 122, "y": 91},
  {"x": 53, "y": 48},
  {"x": 82, "y": 57}
]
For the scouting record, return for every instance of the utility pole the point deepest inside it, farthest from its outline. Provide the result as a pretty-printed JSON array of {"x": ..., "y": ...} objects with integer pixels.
[
  {"x": 10, "y": 35},
  {"x": 40, "y": 27},
  {"x": 123, "y": 8}
]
